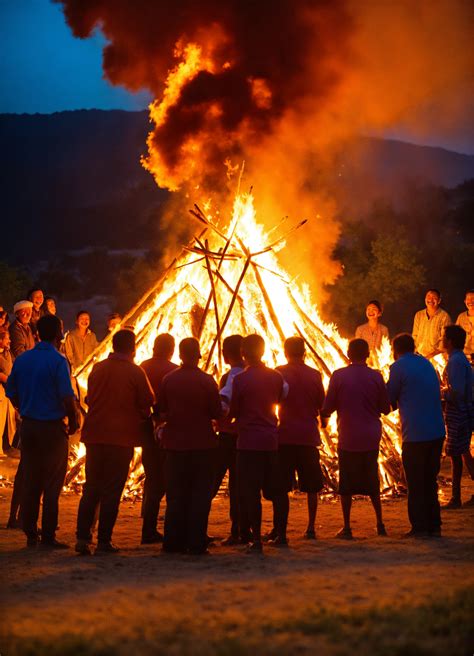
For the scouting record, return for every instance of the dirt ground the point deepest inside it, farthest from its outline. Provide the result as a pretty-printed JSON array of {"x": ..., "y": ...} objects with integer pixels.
[{"x": 377, "y": 595}]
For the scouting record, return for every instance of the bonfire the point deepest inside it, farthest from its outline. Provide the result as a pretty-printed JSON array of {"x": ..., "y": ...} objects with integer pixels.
[{"x": 228, "y": 280}]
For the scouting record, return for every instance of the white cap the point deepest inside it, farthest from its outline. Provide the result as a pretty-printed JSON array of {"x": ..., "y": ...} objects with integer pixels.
[{"x": 21, "y": 305}]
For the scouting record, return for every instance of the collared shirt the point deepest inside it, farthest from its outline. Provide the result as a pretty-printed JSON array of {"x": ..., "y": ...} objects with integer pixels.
[
  {"x": 298, "y": 415},
  {"x": 359, "y": 396},
  {"x": 77, "y": 350},
  {"x": 189, "y": 401},
  {"x": 156, "y": 369},
  {"x": 428, "y": 331},
  {"x": 22, "y": 338},
  {"x": 413, "y": 387},
  {"x": 372, "y": 337},
  {"x": 467, "y": 322},
  {"x": 119, "y": 396},
  {"x": 40, "y": 381},
  {"x": 256, "y": 392}
]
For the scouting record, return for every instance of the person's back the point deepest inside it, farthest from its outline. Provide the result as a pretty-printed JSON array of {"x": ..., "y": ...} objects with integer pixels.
[
  {"x": 255, "y": 395},
  {"x": 189, "y": 400},
  {"x": 119, "y": 397},
  {"x": 156, "y": 369},
  {"x": 357, "y": 393},
  {"x": 298, "y": 414},
  {"x": 414, "y": 388}
]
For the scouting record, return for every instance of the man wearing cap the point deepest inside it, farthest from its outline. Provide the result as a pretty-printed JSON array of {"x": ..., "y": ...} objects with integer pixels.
[{"x": 21, "y": 335}]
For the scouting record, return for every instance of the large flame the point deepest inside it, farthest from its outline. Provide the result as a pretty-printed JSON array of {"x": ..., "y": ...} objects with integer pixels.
[{"x": 229, "y": 280}]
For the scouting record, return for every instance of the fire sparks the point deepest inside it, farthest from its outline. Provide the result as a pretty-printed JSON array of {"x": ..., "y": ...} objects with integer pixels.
[{"x": 229, "y": 280}]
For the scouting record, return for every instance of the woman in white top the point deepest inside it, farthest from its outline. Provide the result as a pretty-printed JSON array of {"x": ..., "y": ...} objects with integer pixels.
[{"x": 373, "y": 331}]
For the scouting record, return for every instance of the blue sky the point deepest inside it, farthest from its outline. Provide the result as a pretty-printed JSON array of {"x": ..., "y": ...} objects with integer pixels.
[{"x": 44, "y": 69}]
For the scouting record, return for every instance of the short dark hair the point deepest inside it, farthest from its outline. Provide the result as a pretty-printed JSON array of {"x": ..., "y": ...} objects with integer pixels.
[
  {"x": 49, "y": 328},
  {"x": 358, "y": 350},
  {"x": 456, "y": 335},
  {"x": 32, "y": 291},
  {"x": 113, "y": 315},
  {"x": 294, "y": 347},
  {"x": 164, "y": 346},
  {"x": 433, "y": 290},
  {"x": 469, "y": 291},
  {"x": 377, "y": 304},
  {"x": 189, "y": 349},
  {"x": 253, "y": 346},
  {"x": 232, "y": 346},
  {"x": 403, "y": 343},
  {"x": 83, "y": 312},
  {"x": 123, "y": 341}
]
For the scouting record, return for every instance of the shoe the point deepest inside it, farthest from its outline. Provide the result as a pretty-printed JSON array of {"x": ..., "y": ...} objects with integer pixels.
[
  {"x": 470, "y": 503},
  {"x": 211, "y": 539},
  {"x": 344, "y": 534},
  {"x": 106, "y": 548},
  {"x": 82, "y": 548},
  {"x": 310, "y": 535},
  {"x": 381, "y": 530},
  {"x": 271, "y": 535},
  {"x": 32, "y": 543},
  {"x": 278, "y": 542},
  {"x": 453, "y": 504},
  {"x": 231, "y": 541},
  {"x": 153, "y": 539},
  {"x": 412, "y": 533},
  {"x": 254, "y": 548},
  {"x": 53, "y": 544}
]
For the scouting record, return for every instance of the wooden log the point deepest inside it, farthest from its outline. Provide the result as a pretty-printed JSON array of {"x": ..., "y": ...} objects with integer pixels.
[{"x": 268, "y": 303}]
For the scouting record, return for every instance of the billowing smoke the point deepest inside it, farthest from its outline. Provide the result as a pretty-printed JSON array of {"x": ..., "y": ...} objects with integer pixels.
[{"x": 280, "y": 83}]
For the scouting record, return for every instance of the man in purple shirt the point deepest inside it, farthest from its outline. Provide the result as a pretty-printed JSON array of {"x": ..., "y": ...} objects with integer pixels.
[
  {"x": 189, "y": 402},
  {"x": 359, "y": 396},
  {"x": 298, "y": 438},
  {"x": 255, "y": 394}
]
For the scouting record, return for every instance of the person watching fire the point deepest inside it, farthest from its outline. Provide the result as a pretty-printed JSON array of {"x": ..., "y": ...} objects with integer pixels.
[
  {"x": 298, "y": 438},
  {"x": 256, "y": 392},
  {"x": 359, "y": 396},
  {"x": 466, "y": 321},
  {"x": 36, "y": 297},
  {"x": 21, "y": 334},
  {"x": 373, "y": 331},
  {"x": 188, "y": 401},
  {"x": 80, "y": 342},
  {"x": 429, "y": 325},
  {"x": 153, "y": 453}
]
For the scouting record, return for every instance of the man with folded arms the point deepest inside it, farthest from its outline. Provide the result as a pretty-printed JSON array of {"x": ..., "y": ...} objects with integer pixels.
[
  {"x": 39, "y": 386},
  {"x": 189, "y": 402},
  {"x": 120, "y": 397}
]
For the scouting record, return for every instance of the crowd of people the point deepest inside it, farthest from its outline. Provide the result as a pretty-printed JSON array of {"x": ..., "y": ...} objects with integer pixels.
[{"x": 261, "y": 425}]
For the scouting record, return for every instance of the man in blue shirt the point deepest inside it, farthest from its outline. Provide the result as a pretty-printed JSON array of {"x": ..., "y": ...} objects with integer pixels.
[
  {"x": 413, "y": 388},
  {"x": 39, "y": 386}
]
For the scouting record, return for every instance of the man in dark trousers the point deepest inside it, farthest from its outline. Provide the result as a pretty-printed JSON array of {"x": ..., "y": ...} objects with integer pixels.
[
  {"x": 413, "y": 388},
  {"x": 189, "y": 402},
  {"x": 120, "y": 397},
  {"x": 40, "y": 387},
  {"x": 153, "y": 453},
  {"x": 298, "y": 438},
  {"x": 227, "y": 450},
  {"x": 255, "y": 394}
]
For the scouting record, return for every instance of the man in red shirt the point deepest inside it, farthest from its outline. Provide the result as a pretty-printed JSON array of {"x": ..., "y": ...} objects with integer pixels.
[
  {"x": 359, "y": 396},
  {"x": 153, "y": 454},
  {"x": 189, "y": 402},
  {"x": 298, "y": 438},
  {"x": 255, "y": 394},
  {"x": 120, "y": 397}
]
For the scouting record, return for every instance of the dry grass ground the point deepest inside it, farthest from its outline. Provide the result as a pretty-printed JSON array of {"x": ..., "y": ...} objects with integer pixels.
[{"x": 387, "y": 596}]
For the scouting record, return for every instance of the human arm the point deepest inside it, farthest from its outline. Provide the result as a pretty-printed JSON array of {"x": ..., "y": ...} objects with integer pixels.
[
  {"x": 145, "y": 397},
  {"x": 215, "y": 403},
  {"x": 330, "y": 402},
  {"x": 11, "y": 389},
  {"x": 456, "y": 388},
  {"x": 394, "y": 387},
  {"x": 384, "y": 401}
]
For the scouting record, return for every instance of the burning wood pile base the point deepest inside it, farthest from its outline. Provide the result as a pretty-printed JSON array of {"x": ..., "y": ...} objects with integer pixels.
[{"x": 229, "y": 281}]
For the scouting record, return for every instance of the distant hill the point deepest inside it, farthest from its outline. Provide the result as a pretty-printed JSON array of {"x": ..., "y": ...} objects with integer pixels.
[{"x": 73, "y": 179}]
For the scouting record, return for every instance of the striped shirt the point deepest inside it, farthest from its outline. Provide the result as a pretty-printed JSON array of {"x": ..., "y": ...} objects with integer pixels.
[
  {"x": 428, "y": 331},
  {"x": 467, "y": 322},
  {"x": 372, "y": 337}
]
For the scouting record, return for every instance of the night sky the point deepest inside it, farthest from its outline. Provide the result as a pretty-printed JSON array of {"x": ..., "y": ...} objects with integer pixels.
[{"x": 44, "y": 69}]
